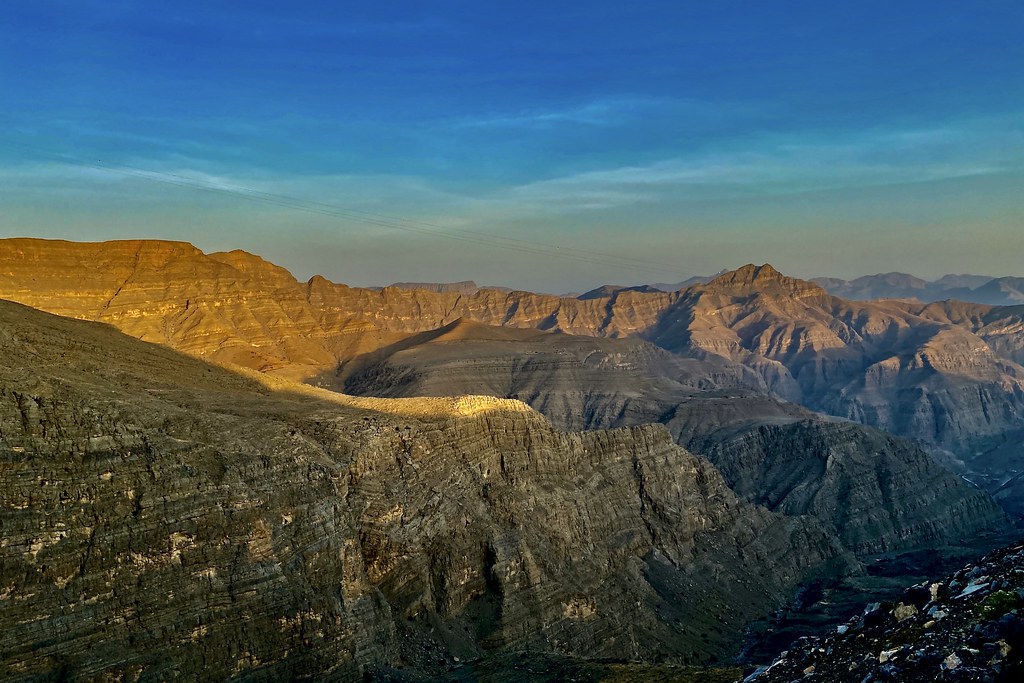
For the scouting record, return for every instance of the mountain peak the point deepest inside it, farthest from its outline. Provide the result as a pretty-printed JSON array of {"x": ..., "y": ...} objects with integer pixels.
[
  {"x": 749, "y": 274},
  {"x": 754, "y": 278}
]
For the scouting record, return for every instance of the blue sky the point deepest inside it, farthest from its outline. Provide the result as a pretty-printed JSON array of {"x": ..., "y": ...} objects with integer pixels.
[{"x": 826, "y": 138}]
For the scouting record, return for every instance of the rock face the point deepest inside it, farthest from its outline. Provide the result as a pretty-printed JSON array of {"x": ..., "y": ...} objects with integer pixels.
[
  {"x": 967, "y": 627},
  {"x": 946, "y": 374},
  {"x": 165, "y": 517},
  {"x": 576, "y": 382},
  {"x": 878, "y": 493}
]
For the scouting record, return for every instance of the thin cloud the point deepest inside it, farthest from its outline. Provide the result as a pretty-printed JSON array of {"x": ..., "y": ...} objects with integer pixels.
[
  {"x": 618, "y": 110},
  {"x": 597, "y": 113},
  {"x": 783, "y": 166}
]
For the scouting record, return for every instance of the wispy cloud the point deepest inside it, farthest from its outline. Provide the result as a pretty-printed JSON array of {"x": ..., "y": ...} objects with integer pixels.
[
  {"x": 616, "y": 110},
  {"x": 784, "y": 166},
  {"x": 595, "y": 113}
]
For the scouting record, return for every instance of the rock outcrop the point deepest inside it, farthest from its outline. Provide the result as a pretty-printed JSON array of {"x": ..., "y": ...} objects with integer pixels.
[{"x": 163, "y": 517}]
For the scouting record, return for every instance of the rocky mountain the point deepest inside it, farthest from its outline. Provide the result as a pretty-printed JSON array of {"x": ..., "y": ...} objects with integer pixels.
[
  {"x": 946, "y": 374},
  {"x": 876, "y": 492},
  {"x": 165, "y": 517},
  {"x": 965, "y": 627}
]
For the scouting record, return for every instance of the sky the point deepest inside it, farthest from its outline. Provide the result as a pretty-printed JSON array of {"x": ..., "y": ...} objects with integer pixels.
[{"x": 544, "y": 146}]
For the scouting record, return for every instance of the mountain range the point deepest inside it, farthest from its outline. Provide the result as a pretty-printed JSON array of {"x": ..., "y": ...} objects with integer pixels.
[
  {"x": 636, "y": 473},
  {"x": 165, "y": 517},
  {"x": 947, "y": 374},
  {"x": 981, "y": 289}
]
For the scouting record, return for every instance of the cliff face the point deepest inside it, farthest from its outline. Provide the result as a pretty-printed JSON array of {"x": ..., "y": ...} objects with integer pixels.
[
  {"x": 877, "y": 492},
  {"x": 164, "y": 517}
]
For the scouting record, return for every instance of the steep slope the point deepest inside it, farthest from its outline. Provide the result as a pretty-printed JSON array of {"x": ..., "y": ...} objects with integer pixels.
[
  {"x": 577, "y": 382},
  {"x": 876, "y": 492},
  {"x": 164, "y": 517}
]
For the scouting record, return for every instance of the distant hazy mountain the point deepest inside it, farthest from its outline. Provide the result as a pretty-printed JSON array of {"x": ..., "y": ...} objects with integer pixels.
[
  {"x": 1003, "y": 291},
  {"x": 962, "y": 281},
  {"x": 605, "y": 291},
  {"x": 666, "y": 287},
  {"x": 463, "y": 287},
  {"x": 982, "y": 289},
  {"x": 695, "y": 280}
]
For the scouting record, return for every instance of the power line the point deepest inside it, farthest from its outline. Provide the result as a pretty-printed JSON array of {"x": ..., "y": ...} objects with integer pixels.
[{"x": 366, "y": 217}]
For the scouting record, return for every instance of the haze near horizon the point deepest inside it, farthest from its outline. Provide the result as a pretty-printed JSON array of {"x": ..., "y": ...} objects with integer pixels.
[{"x": 522, "y": 146}]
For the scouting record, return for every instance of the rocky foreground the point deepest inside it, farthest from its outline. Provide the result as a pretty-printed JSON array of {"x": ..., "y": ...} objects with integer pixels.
[{"x": 966, "y": 627}]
